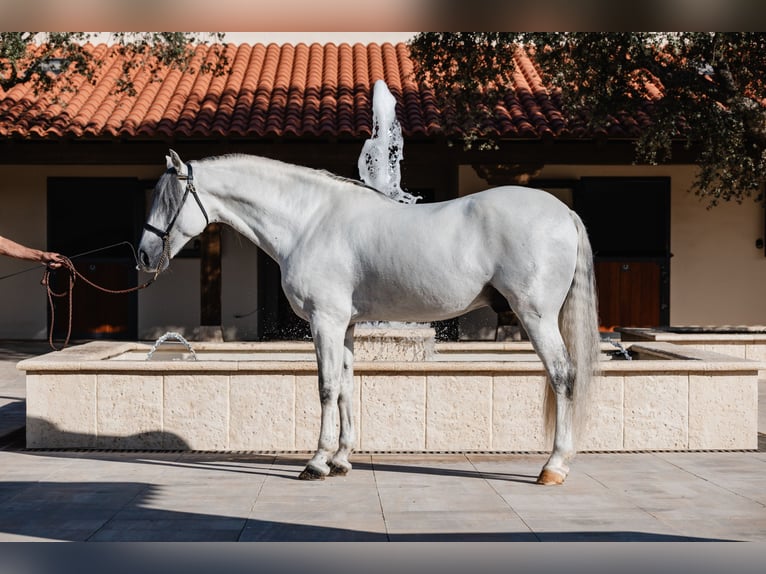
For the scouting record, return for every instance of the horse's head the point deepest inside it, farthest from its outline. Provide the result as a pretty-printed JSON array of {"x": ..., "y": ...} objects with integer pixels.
[{"x": 173, "y": 220}]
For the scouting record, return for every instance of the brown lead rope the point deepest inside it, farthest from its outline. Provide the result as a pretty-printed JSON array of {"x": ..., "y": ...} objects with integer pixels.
[{"x": 74, "y": 274}]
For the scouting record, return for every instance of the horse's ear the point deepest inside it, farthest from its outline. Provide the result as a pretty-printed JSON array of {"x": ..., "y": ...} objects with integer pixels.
[{"x": 174, "y": 161}]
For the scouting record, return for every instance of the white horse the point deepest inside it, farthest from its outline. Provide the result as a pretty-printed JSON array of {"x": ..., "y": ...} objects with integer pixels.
[{"x": 349, "y": 254}]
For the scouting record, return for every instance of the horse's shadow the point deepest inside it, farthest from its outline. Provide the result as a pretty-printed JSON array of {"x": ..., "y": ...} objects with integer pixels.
[
  {"x": 445, "y": 471},
  {"x": 285, "y": 466},
  {"x": 168, "y": 442}
]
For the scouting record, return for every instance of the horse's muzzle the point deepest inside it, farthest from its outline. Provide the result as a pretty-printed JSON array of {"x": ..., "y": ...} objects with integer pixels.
[{"x": 145, "y": 263}]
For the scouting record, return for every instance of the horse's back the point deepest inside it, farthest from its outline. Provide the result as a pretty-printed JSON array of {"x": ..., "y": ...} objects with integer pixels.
[
  {"x": 499, "y": 227},
  {"x": 518, "y": 219},
  {"x": 431, "y": 261},
  {"x": 521, "y": 203}
]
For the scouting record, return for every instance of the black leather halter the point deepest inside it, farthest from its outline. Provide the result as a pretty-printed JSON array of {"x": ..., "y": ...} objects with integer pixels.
[{"x": 189, "y": 178}]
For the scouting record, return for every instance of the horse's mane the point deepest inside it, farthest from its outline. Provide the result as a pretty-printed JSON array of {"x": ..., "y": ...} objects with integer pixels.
[
  {"x": 309, "y": 171},
  {"x": 356, "y": 182}
]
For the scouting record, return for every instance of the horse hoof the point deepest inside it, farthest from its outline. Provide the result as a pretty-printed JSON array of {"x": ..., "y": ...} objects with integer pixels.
[
  {"x": 310, "y": 474},
  {"x": 548, "y": 477},
  {"x": 336, "y": 470}
]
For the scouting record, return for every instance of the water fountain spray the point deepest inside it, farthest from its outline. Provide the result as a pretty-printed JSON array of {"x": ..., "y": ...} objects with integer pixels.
[
  {"x": 379, "y": 161},
  {"x": 174, "y": 337}
]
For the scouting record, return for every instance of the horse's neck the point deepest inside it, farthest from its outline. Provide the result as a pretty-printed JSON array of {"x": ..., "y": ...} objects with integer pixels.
[{"x": 270, "y": 204}]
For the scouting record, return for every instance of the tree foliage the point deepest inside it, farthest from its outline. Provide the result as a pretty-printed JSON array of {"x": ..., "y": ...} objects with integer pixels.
[
  {"x": 706, "y": 90},
  {"x": 37, "y": 57}
]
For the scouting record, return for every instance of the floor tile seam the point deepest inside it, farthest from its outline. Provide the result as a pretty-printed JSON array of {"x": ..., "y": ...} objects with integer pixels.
[
  {"x": 508, "y": 505},
  {"x": 386, "y": 525},
  {"x": 621, "y": 495},
  {"x": 710, "y": 481},
  {"x": 624, "y": 497},
  {"x": 695, "y": 533},
  {"x": 661, "y": 512},
  {"x": 251, "y": 512},
  {"x": 710, "y": 516},
  {"x": 140, "y": 494}
]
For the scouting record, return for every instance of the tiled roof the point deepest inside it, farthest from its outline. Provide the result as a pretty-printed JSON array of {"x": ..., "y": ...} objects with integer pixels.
[{"x": 272, "y": 91}]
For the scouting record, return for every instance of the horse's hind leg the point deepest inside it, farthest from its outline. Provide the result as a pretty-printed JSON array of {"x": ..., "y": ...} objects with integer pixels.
[
  {"x": 340, "y": 465},
  {"x": 546, "y": 338}
]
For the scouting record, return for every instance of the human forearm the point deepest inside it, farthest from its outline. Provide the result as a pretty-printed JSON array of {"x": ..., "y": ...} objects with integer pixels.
[{"x": 12, "y": 249}]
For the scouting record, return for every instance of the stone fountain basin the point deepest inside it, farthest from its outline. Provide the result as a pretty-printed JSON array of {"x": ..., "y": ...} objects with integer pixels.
[
  {"x": 743, "y": 341},
  {"x": 465, "y": 397}
]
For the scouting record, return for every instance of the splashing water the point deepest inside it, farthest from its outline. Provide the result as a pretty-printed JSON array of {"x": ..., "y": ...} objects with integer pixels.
[
  {"x": 379, "y": 161},
  {"x": 622, "y": 350},
  {"x": 171, "y": 335}
]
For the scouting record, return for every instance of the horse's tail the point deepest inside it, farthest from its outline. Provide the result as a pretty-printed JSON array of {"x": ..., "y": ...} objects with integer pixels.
[{"x": 578, "y": 322}]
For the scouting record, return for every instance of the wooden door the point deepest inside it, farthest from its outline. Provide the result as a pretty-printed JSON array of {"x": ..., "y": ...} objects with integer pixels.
[
  {"x": 629, "y": 293},
  {"x": 628, "y": 222}
]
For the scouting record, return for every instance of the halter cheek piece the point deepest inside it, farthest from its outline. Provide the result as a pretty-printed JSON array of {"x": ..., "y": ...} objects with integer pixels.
[{"x": 189, "y": 178}]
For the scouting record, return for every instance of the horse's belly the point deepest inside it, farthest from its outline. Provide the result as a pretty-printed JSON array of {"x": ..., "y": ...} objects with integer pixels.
[{"x": 433, "y": 302}]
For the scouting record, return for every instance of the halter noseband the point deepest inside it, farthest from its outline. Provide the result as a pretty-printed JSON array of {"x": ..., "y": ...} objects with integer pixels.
[{"x": 189, "y": 178}]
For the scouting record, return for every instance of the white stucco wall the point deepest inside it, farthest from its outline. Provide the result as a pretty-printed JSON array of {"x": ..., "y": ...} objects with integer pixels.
[
  {"x": 23, "y": 301},
  {"x": 717, "y": 272}
]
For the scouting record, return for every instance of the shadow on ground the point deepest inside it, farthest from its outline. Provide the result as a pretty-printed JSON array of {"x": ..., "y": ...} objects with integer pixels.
[{"x": 127, "y": 511}]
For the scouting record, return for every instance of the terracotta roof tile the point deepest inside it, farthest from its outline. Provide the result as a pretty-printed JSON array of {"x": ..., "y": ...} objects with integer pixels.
[
  {"x": 276, "y": 91},
  {"x": 309, "y": 116}
]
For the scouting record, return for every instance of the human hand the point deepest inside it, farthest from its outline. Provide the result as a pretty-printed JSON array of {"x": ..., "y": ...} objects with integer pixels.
[{"x": 52, "y": 259}]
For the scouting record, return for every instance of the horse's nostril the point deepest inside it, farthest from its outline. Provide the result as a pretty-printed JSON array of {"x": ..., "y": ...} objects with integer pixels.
[{"x": 143, "y": 258}]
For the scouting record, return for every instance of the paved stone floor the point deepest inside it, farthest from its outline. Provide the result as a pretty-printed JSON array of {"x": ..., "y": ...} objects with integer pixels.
[
  {"x": 223, "y": 497},
  {"x": 176, "y": 497}
]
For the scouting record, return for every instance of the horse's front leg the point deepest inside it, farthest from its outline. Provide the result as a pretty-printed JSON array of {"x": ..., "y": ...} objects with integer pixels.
[
  {"x": 340, "y": 464},
  {"x": 328, "y": 342}
]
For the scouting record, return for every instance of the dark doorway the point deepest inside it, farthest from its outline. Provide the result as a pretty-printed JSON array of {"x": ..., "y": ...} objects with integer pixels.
[
  {"x": 276, "y": 320},
  {"x": 628, "y": 222},
  {"x": 84, "y": 216}
]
